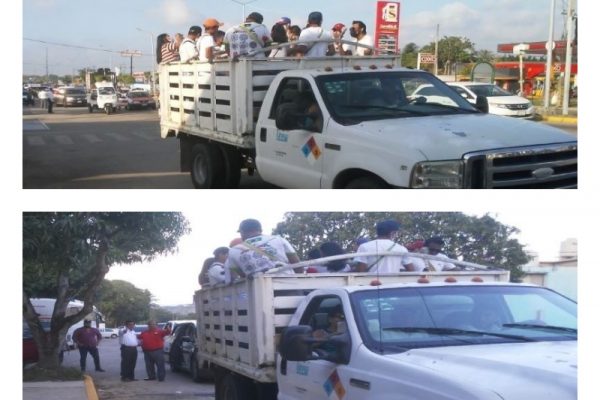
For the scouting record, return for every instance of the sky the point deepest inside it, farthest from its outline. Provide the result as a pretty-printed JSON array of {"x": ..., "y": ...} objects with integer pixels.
[
  {"x": 173, "y": 279},
  {"x": 99, "y": 36}
]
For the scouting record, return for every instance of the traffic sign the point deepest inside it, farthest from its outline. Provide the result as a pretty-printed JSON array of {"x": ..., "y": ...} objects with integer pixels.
[{"x": 427, "y": 58}]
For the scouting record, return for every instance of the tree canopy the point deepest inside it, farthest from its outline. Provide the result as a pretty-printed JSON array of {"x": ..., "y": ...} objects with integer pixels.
[
  {"x": 120, "y": 301},
  {"x": 470, "y": 238},
  {"x": 67, "y": 255}
]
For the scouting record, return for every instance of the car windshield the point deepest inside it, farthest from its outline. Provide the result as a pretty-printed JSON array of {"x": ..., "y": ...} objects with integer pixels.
[
  {"x": 488, "y": 90},
  {"x": 139, "y": 94},
  {"x": 106, "y": 90},
  {"x": 400, "y": 319},
  {"x": 355, "y": 97},
  {"x": 75, "y": 91}
]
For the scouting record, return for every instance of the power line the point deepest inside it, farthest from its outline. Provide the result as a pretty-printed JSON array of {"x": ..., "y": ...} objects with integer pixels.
[{"x": 80, "y": 47}]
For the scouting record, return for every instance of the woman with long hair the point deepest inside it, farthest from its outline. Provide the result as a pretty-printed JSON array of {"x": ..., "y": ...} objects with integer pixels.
[{"x": 167, "y": 50}]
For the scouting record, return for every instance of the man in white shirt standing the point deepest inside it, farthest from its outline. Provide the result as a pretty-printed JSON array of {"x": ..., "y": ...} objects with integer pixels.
[
  {"x": 187, "y": 48},
  {"x": 206, "y": 43},
  {"x": 313, "y": 32},
  {"x": 433, "y": 247},
  {"x": 359, "y": 32},
  {"x": 248, "y": 37},
  {"x": 129, "y": 341},
  {"x": 386, "y": 233}
]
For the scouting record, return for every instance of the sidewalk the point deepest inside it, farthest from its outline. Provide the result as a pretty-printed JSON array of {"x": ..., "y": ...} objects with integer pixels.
[
  {"x": 69, "y": 390},
  {"x": 554, "y": 115}
]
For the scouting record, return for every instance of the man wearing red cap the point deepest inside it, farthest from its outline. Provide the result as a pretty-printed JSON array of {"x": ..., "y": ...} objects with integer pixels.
[{"x": 337, "y": 32}]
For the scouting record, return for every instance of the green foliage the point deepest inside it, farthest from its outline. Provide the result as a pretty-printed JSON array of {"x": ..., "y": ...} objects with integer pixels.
[
  {"x": 451, "y": 50},
  {"x": 120, "y": 301},
  {"x": 126, "y": 79},
  {"x": 160, "y": 314},
  {"x": 476, "y": 239},
  {"x": 66, "y": 255},
  {"x": 409, "y": 55}
]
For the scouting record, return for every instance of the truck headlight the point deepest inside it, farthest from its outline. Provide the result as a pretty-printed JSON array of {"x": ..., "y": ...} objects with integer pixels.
[
  {"x": 437, "y": 175},
  {"x": 498, "y": 105},
  {"x": 70, "y": 98}
]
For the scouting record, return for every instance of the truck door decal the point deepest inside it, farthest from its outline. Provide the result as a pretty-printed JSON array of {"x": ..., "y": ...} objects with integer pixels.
[
  {"x": 333, "y": 383},
  {"x": 282, "y": 136},
  {"x": 302, "y": 369},
  {"x": 311, "y": 150}
]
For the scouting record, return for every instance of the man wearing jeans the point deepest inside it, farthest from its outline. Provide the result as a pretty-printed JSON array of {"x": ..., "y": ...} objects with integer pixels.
[
  {"x": 152, "y": 345},
  {"x": 87, "y": 339}
]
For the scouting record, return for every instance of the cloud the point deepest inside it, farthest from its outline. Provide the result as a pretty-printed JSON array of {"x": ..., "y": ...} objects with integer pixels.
[{"x": 176, "y": 12}]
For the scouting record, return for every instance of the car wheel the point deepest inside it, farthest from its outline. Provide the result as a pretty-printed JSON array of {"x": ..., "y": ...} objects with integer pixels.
[
  {"x": 207, "y": 166},
  {"x": 113, "y": 336},
  {"x": 367, "y": 182}
]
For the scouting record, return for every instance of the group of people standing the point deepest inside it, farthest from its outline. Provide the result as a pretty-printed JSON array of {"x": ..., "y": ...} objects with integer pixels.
[
  {"x": 151, "y": 341},
  {"x": 250, "y": 37},
  {"x": 256, "y": 252}
]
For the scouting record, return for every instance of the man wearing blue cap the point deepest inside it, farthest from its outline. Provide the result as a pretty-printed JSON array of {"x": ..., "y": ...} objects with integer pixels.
[
  {"x": 312, "y": 33},
  {"x": 386, "y": 233}
]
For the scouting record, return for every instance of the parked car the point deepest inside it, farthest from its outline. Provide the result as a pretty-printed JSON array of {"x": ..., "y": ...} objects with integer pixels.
[
  {"x": 70, "y": 96},
  {"x": 169, "y": 339},
  {"x": 140, "y": 99},
  {"x": 500, "y": 101},
  {"x": 27, "y": 98},
  {"x": 182, "y": 354},
  {"x": 109, "y": 333}
]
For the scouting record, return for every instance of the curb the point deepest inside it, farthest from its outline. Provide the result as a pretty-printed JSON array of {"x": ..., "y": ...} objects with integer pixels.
[
  {"x": 560, "y": 119},
  {"x": 90, "y": 388}
]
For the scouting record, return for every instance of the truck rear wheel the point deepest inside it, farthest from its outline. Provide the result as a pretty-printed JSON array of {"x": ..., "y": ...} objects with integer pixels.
[
  {"x": 233, "y": 166},
  {"x": 236, "y": 388},
  {"x": 207, "y": 166}
]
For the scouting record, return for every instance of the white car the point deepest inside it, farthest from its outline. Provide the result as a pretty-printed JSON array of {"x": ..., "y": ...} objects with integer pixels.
[
  {"x": 109, "y": 333},
  {"x": 168, "y": 340},
  {"x": 499, "y": 100}
]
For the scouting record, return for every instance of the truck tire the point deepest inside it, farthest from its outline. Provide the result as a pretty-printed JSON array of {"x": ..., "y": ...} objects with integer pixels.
[
  {"x": 199, "y": 374},
  {"x": 233, "y": 166},
  {"x": 366, "y": 182},
  {"x": 236, "y": 388},
  {"x": 207, "y": 166}
]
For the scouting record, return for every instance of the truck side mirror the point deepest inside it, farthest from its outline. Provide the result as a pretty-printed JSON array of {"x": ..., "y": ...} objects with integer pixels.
[
  {"x": 296, "y": 343},
  {"x": 482, "y": 104}
]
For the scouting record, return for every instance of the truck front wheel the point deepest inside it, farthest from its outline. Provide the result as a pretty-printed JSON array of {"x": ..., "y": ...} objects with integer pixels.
[
  {"x": 207, "y": 166},
  {"x": 367, "y": 182}
]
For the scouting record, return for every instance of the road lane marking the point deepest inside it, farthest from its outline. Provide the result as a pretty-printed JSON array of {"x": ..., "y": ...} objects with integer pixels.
[
  {"x": 35, "y": 141},
  {"x": 35, "y": 125},
  {"x": 131, "y": 175},
  {"x": 118, "y": 137},
  {"x": 91, "y": 138},
  {"x": 62, "y": 139}
]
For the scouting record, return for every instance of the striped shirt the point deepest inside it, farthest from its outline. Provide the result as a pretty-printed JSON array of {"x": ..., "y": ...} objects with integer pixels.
[{"x": 169, "y": 53}]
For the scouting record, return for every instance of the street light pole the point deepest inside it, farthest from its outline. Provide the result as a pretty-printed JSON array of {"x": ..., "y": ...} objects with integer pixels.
[
  {"x": 243, "y": 3},
  {"x": 549, "y": 48},
  {"x": 153, "y": 75},
  {"x": 567, "y": 84}
]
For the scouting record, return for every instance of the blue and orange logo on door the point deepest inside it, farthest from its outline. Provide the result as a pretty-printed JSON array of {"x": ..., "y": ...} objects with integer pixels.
[
  {"x": 333, "y": 383},
  {"x": 311, "y": 150}
]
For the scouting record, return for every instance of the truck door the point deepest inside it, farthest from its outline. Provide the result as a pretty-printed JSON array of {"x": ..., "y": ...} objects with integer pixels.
[
  {"x": 319, "y": 379},
  {"x": 292, "y": 155}
]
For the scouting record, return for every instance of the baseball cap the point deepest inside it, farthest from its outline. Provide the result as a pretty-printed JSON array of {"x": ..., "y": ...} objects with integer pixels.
[
  {"x": 315, "y": 16},
  {"x": 256, "y": 17},
  {"x": 210, "y": 22},
  {"x": 249, "y": 225},
  {"x": 338, "y": 27},
  {"x": 388, "y": 226},
  {"x": 195, "y": 30},
  {"x": 284, "y": 21}
]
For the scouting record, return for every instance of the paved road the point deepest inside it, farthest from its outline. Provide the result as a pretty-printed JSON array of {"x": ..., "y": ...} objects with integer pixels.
[
  {"x": 78, "y": 150},
  {"x": 109, "y": 386}
]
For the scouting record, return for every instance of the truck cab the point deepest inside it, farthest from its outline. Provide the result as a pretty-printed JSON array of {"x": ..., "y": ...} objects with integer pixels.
[
  {"x": 103, "y": 97},
  {"x": 435, "y": 340}
]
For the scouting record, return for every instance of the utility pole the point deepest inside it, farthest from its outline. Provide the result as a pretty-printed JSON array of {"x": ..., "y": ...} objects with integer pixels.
[
  {"x": 549, "y": 48},
  {"x": 47, "y": 73},
  {"x": 567, "y": 86},
  {"x": 243, "y": 3},
  {"x": 437, "y": 38},
  {"x": 131, "y": 54}
]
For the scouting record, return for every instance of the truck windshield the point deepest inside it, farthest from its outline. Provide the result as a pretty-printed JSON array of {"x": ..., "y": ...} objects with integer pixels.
[
  {"x": 399, "y": 319},
  {"x": 352, "y": 98},
  {"x": 106, "y": 90}
]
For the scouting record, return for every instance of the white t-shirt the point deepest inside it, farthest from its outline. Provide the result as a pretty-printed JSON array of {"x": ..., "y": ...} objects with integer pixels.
[
  {"x": 360, "y": 51},
  {"x": 385, "y": 264},
  {"x": 188, "y": 50},
  {"x": 205, "y": 42},
  {"x": 315, "y": 33},
  {"x": 435, "y": 265},
  {"x": 247, "y": 37},
  {"x": 216, "y": 273},
  {"x": 42, "y": 94},
  {"x": 256, "y": 254}
]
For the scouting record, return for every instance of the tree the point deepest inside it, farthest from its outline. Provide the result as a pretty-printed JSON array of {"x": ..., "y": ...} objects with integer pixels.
[
  {"x": 72, "y": 252},
  {"x": 484, "y": 56},
  {"x": 409, "y": 55},
  {"x": 476, "y": 239},
  {"x": 451, "y": 50},
  {"x": 119, "y": 301}
]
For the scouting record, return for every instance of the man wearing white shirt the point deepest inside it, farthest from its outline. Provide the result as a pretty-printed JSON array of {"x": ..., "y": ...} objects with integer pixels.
[
  {"x": 359, "y": 33},
  {"x": 434, "y": 246},
  {"x": 129, "y": 341},
  {"x": 313, "y": 32},
  {"x": 187, "y": 49},
  {"x": 386, "y": 233}
]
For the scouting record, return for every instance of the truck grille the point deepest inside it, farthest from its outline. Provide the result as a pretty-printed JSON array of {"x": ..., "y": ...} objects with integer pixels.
[
  {"x": 539, "y": 167},
  {"x": 523, "y": 106}
]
